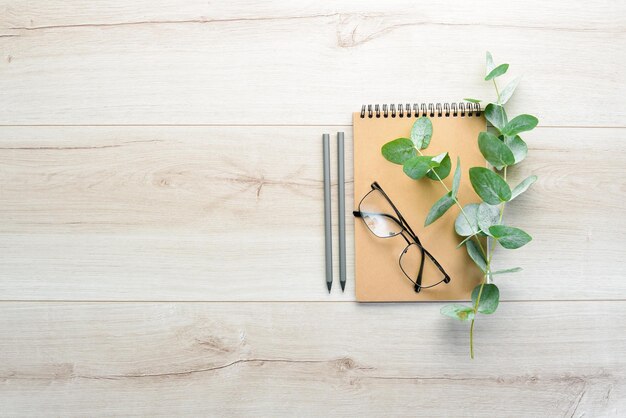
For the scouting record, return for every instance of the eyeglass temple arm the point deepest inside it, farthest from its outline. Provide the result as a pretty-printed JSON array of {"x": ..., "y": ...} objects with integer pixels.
[{"x": 436, "y": 263}]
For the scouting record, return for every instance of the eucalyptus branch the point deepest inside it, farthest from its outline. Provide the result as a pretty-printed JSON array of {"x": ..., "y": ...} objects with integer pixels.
[{"x": 502, "y": 149}]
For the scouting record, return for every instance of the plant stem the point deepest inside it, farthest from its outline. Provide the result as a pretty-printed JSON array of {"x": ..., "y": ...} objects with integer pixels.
[
  {"x": 472, "y": 340},
  {"x": 484, "y": 280},
  {"x": 456, "y": 201},
  {"x": 497, "y": 91},
  {"x": 480, "y": 293}
]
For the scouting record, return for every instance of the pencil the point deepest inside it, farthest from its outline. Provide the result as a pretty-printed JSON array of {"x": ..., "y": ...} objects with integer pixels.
[
  {"x": 341, "y": 187},
  {"x": 327, "y": 218}
]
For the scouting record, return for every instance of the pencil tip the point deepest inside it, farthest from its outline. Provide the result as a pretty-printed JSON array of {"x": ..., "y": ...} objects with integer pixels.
[
  {"x": 343, "y": 286},
  {"x": 329, "y": 285}
]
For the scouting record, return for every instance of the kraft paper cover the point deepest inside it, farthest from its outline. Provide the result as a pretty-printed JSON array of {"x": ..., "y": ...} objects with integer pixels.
[{"x": 377, "y": 273}]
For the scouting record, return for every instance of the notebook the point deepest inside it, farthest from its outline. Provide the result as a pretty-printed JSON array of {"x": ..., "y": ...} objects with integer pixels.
[{"x": 378, "y": 277}]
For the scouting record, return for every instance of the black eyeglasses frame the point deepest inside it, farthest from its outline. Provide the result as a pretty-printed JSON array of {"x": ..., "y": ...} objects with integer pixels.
[{"x": 412, "y": 239}]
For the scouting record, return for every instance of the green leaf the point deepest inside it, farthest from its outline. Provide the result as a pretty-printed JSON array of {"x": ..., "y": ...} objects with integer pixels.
[
  {"x": 519, "y": 124},
  {"x": 476, "y": 255},
  {"x": 472, "y": 100},
  {"x": 460, "y": 312},
  {"x": 494, "y": 150},
  {"x": 510, "y": 237},
  {"x": 456, "y": 181},
  {"x": 439, "y": 157},
  {"x": 487, "y": 216},
  {"x": 439, "y": 208},
  {"x": 489, "y": 298},
  {"x": 490, "y": 65},
  {"x": 462, "y": 226},
  {"x": 517, "y": 146},
  {"x": 523, "y": 186},
  {"x": 399, "y": 150},
  {"x": 497, "y": 72},
  {"x": 443, "y": 170},
  {"x": 507, "y": 92},
  {"x": 421, "y": 132},
  {"x": 416, "y": 167},
  {"x": 496, "y": 115},
  {"x": 489, "y": 186},
  {"x": 512, "y": 270}
]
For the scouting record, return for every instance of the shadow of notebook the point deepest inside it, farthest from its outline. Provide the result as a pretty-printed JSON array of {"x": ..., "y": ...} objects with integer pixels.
[{"x": 378, "y": 275}]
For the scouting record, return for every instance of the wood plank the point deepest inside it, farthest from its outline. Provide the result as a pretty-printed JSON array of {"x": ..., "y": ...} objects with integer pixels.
[
  {"x": 163, "y": 62},
  {"x": 235, "y": 213},
  {"x": 331, "y": 359}
]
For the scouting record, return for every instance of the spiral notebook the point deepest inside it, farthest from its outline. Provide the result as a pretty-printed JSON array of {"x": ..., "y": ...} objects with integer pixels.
[{"x": 378, "y": 275}]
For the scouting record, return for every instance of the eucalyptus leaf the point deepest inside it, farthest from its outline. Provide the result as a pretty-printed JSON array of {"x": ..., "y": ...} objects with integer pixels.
[
  {"x": 523, "y": 186},
  {"x": 489, "y": 186},
  {"x": 496, "y": 115},
  {"x": 517, "y": 146},
  {"x": 476, "y": 255},
  {"x": 487, "y": 216},
  {"x": 457, "y": 311},
  {"x": 416, "y": 167},
  {"x": 422, "y": 132},
  {"x": 439, "y": 157},
  {"x": 467, "y": 99},
  {"x": 490, "y": 65},
  {"x": 507, "y": 91},
  {"x": 489, "y": 298},
  {"x": 462, "y": 226},
  {"x": 439, "y": 208},
  {"x": 511, "y": 270},
  {"x": 521, "y": 123},
  {"x": 497, "y": 72},
  {"x": 443, "y": 170},
  {"x": 495, "y": 151},
  {"x": 510, "y": 237},
  {"x": 456, "y": 180},
  {"x": 399, "y": 150}
]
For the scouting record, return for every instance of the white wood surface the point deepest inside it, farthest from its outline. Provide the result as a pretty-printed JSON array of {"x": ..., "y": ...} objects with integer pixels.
[
  {"x": 161, "y": 210},
  {"x": 308, "y": 62},
  {"x": 322, "y": 359}
]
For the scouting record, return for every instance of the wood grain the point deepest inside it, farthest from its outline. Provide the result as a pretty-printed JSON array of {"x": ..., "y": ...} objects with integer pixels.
[
  {"x": 331, "y": 359},
  {"x": 226, "y": 213},
  {"x": 304, "y": 63}
]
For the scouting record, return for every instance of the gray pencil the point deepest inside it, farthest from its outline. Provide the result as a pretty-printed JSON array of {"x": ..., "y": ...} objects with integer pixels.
[
  {"x": 341, "y": 186},
  {"x": 327, "y": 219}
]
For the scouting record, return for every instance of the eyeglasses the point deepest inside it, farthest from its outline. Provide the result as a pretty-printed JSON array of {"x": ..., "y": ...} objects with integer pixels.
[{"x": 384, "y": 220}]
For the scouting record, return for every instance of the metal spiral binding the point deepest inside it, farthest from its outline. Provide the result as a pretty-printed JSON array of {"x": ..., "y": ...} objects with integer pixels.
[{"x": 421, "y": 109}]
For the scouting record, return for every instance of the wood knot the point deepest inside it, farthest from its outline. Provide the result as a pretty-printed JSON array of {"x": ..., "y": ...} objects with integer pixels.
[
  {"x": 214, "y": 344},
  {"x": 346, "y": 363}
]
